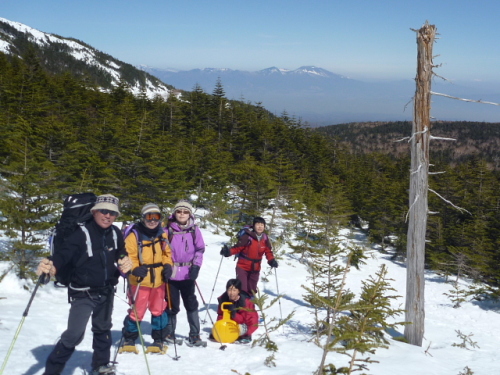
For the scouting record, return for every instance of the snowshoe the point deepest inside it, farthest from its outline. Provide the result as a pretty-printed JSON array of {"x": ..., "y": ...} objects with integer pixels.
[
  {"x": 196, "y": 341},
  {"x": 106, "y": 370},
  {"x": 157, "y": 346},
  {"x": 128, "y": 347},
  {"x": 170, "y": 340}
]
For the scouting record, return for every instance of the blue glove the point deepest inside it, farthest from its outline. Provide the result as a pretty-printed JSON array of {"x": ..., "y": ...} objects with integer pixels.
[{"x": 273, "y": 263}]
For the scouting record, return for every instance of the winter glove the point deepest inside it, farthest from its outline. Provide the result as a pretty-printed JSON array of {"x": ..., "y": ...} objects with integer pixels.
[
  {"x": 231, "y": 308},
  {"x": 225, "y": 251},
  {"x": 46, "y": 266},
  {"x": 167, "y": 272},
  {"x": 193, "y": 272},
  {"x": 141, "y": 271},
  {"x": 273, "y": 263},
  {"x": 243, "y": 329},
  {"x": 124, "y": 264}
]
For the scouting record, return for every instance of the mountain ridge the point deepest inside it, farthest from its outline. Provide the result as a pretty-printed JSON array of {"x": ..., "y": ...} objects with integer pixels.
[
  {"x": 452, "y": 142},
  {"x": 310, "y": 93},
  {"x": 321, "y": 97},
  {"x": 57, "y": 54}
]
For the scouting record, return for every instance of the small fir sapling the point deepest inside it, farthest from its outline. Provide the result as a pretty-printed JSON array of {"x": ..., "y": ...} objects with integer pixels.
[{"x": 270, "y": 325}]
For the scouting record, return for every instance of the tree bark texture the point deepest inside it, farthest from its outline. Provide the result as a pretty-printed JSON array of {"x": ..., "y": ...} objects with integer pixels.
[{"x": 418, "y": 205}]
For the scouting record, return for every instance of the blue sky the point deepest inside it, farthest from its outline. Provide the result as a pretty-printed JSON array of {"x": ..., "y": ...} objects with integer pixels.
[{"x": 362, "y": 39}]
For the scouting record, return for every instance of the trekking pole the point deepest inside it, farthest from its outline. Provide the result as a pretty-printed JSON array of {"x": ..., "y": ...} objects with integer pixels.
[
  {"x": 116, "y": 351},
  {"x": 138, "y": 323},
  {"x": 121, "y": 338},
  {"x": 43, "y": 279},
  {"x": 278, "y": 291},
  {"x": 213, "y": 288},
  {"x": 167, "y": 285},
  {"x": 222, "y": 347}
]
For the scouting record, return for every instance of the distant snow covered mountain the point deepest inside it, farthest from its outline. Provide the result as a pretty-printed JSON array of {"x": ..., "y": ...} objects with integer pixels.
[
  {"x": 313, "y": 94},
  {"x": 58, "y": 54},
  {"x": 320, "y": 97}
]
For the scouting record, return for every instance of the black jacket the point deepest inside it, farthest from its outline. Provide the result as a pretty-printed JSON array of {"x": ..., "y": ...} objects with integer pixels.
[{"x": 96, "y": 271}]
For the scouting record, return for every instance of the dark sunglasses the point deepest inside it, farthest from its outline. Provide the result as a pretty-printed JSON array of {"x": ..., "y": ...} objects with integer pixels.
[
  {"x": 186, "y": 212},
  {"x": 152, "y": 216},
  {"x": 106, "y": 212}
]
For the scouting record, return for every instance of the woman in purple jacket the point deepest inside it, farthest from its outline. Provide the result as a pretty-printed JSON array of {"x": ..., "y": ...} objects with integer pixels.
[{"x": 187, "y": 247}]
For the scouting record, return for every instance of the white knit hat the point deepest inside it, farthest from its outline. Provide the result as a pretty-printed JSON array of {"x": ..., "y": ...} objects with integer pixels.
[
  {"x": 107, "y": 202},
  {"x": 150, "y": 207},
  {"x": 184, "y": 204}
]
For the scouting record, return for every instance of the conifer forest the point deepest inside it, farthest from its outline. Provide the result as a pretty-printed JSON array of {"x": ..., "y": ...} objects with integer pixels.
[{"x": 62, "y": 135}]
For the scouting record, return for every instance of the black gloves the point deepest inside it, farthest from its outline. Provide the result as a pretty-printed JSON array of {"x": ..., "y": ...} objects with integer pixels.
[
  {"x": 141, "y": 271},
  {"x": 193, "y": 272},
  {"x": 225, "y": 251},
  {"x": 273, "y": 263},
  {"x": 167, "y": 272},
  {"x": 232, "y": 310}
]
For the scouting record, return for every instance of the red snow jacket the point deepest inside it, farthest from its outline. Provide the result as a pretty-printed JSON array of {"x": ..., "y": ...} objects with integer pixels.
[
  {"x": 250, "y": 250},
  {"x": 244, "y": 312}
]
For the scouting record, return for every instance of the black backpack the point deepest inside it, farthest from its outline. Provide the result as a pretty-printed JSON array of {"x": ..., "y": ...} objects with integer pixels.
[{"x": 76, "y": 212}]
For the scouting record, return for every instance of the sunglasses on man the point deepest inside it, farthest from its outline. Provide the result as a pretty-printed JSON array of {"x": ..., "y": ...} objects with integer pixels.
[
  {"x": 108, "y": 212},
  {"x": 152, "y": 216}
]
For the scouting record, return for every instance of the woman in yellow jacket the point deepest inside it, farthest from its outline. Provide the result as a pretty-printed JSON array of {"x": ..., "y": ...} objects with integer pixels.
[{"x": 147, "y": 246}]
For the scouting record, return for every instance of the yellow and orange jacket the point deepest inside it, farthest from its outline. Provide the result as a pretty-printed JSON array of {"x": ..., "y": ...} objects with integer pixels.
[{"x": 143, "y": 251}]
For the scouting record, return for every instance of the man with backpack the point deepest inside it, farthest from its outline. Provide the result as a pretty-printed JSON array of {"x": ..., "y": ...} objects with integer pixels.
[
  {"x": 90, "y": 252},
  {"x": 147, "y": 246},
  {"x": 252, "y": 245}
]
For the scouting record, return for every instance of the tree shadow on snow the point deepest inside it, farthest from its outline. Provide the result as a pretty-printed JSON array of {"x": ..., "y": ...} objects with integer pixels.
[
  {"x": 211, "y": 308},
  {"x": 488, "y": 305},
  {"x": 284, "y": 296},
  {"x": 79, "y": 360}
]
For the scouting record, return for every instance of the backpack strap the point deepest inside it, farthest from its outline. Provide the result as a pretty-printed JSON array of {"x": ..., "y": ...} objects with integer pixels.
[
  {"x": 171, "y": 233},
  {"x": 115, "y": 236},
  {"x": 140, "y": 245},
  {"x": 88, "y": 242}
]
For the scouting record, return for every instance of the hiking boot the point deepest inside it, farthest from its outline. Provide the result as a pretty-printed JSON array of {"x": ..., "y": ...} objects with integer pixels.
[
  {"x": 159, "y": 343},
  {"x": 128, "y": 342},
  {"x": 106, "y": 369},
  {"x": 246, "y": 339},
  {"x": 158, "y": 346},
  {"x": 195, "y": 340},
  {"x": 169, "y": 339}
]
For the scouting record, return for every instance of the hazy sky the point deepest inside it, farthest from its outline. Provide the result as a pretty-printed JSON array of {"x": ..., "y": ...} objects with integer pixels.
[{"x": 357, "y": 38}]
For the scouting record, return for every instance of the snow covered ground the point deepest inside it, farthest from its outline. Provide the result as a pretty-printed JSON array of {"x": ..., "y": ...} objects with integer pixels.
[{"x": 437, "y": 356}]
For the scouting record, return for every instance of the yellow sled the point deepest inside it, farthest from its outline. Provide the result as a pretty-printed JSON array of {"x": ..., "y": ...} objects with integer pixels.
[{"x": 226, "y": 330}]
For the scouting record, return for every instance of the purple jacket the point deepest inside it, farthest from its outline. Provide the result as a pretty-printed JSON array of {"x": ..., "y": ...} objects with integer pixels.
[{"x": 187, "y": 247}]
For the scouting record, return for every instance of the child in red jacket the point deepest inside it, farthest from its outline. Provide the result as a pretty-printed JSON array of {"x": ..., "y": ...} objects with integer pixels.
[
  {"x": 250, "y": 249},
  {"x": 242, "y": 310}
]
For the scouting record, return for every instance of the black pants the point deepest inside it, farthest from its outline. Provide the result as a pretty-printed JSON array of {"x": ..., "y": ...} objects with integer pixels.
[
  {"x": 100, "y": 307},
  {"x": 186, "y": 290}
]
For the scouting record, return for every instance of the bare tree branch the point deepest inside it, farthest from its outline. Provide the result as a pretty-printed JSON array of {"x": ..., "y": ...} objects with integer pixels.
[
  {"x": 462, "y": 99},
  {"x": 443, "y": 138},
  {"x": 450, "y": 203}
]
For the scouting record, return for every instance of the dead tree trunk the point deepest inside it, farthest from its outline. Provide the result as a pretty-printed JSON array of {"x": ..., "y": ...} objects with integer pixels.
[{"x": 415, "y": 310}]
